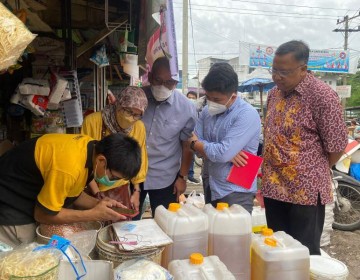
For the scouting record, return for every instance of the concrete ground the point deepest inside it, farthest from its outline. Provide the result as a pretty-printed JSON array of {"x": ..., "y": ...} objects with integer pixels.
[{"x": 345, "y": 246}]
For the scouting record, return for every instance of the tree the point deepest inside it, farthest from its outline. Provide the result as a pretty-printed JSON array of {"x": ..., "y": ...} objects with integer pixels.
[{"x": 354, "y": 81}]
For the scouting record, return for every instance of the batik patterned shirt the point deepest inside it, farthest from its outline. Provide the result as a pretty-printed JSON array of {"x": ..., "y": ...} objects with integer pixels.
[{"x": 301, "y": 129}]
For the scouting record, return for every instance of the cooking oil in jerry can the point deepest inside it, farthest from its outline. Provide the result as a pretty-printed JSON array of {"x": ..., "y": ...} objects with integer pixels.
[
  {"x": 230, "y": 237},
  {"x": 278, "y": 256},
  {"x": 187, "y": 226}
]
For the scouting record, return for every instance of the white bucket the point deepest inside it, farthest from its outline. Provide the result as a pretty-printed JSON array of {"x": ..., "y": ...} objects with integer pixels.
[{"x": 322, "y": 268}]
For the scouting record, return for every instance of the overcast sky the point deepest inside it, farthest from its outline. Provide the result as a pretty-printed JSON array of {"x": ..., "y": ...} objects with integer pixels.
[{"x": 218, "y": 26}]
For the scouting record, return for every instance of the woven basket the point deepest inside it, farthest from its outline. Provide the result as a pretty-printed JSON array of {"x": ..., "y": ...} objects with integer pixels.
[{"x": 110, "y": 252}]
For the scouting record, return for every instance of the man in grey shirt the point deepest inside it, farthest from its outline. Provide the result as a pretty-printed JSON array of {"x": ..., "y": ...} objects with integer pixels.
[{"x": 169, "y": 121}]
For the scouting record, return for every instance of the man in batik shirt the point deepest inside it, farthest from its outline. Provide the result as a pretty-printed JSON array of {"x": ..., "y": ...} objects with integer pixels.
[{"x": 305, "y": 135}]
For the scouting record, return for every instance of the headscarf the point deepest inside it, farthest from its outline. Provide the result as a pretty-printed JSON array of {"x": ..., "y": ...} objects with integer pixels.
[{"x": 129, "y": 97}]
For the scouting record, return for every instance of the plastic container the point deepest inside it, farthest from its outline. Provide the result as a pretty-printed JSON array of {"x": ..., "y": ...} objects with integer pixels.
[
  {"x": 51, "y": 274},
  {"x": 187, "y": 226},
  {"x": 258, "y": 219},
  {"x": 230, "y": 237},
  {"x": 323, "y": 268},
  {"x": 200, "y": 268},
  {"x": 44, "y": 237},
  {"x": 26, "y": 264},
  {"x": 95, "y": 270},
  {"x": 278, "y": 256}
]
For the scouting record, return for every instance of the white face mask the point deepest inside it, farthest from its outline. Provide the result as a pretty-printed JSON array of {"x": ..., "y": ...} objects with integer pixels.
[
  {"x": 216, "y": 108},
  {"x": 161, "y": 93}
]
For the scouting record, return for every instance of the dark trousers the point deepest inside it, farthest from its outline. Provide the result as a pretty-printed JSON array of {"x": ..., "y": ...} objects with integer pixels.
[
  {"x": 191, "y": 169},
  {"x": 206, "y": 188},
  {"x": 246, "y": 200},
  {"x": 205, "y": 179},
  {"x": 157, "y": 197},
  {"x": 303, "y": 222}
]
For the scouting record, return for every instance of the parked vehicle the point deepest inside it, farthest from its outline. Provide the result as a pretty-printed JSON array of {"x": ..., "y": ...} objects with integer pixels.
[{"x": 347, "y": 202}]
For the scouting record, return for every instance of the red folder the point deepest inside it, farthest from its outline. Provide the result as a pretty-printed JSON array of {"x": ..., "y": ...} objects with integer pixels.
[{"x": 244, "y": 176}]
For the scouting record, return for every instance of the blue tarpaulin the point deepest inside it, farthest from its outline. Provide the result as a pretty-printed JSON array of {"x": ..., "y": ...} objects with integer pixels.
[{"x": 256, "y": 84}]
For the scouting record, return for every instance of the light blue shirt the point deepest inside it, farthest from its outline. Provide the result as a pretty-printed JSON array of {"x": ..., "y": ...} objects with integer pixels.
[
  {"x": 167, "y": 124},
  {"x": 225, "y": 135}
]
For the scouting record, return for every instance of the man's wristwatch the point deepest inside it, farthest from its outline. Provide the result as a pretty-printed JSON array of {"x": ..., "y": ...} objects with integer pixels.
[
  {"x": 182, "y": 177},
  {"x": 192, "y": 145}
]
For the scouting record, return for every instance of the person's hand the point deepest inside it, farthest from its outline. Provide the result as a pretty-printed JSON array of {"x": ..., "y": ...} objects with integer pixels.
[
  {"x": 240, "y": 159},
  {"x": 179, "y": 187},
  {"x": 193, "y": 137},
  {"x": 100, "y": 195},
  {"x": 111, "y": 97},
  {"x": 103, "y": 212},
  {"x": 135, "y": 200}
]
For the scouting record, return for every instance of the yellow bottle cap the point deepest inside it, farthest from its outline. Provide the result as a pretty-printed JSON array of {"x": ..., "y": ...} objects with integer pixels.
[
  {"x": 196, "y": 258},
  {"x": 173, "y": 207},
  {"x": 222, "y": 205},
  {"x": 270, "y": 241},
  {"x": 267, "y": 231}
]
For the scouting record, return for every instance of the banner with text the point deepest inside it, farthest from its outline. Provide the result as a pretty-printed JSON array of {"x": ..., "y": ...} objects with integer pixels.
[
  {"x": 344, "y": 91},
  {"x": 319, "y": 60},
  {"x": 163, "y": 40}
]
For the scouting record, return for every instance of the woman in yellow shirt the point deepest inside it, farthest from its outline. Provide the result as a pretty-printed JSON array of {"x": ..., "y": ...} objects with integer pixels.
[{"x": 123, "y": 116}]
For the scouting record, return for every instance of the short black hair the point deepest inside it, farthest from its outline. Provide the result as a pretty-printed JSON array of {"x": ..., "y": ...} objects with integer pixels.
[
  {"x": 191, "y": 93},
  {"x": 299, "y": 49},
  {"x": 161, "y": 62},
  {"x": 122, "y": 154},
  {"x": 221, "y": 78}
]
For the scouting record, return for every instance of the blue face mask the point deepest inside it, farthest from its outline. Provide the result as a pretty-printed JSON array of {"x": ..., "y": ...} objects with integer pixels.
[{"x": 104, "y": 180}]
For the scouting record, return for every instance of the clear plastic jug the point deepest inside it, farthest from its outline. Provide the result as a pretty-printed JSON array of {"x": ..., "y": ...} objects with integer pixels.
[
  {"x": 200, "y": 268},
  {"x": 187, "y": 226},
  {"x": 230, "y": 237},
  {"x": 278, "y": 256},
  {"x": 258, "y": 219}
]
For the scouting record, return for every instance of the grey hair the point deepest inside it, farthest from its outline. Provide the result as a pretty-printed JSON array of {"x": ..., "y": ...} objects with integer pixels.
[{"x": 299, "y": 49}]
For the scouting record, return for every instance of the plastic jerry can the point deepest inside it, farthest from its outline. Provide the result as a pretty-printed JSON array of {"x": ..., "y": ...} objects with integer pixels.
[
  {"x": 230, "y": 237},
  {"x": 278, "y": 256},
  {"x": 187, "y": 226},
  {"x": 200, "y": 268},
  {"x": 258, "y": 219}
]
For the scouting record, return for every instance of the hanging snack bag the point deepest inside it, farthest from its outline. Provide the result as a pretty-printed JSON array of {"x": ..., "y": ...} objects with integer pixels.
[
  {"x": 99, "y": 57},
  {"x": 14, "y": 38}
]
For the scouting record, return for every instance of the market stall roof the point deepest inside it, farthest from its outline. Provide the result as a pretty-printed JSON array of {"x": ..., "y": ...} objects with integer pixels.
[{"x": 45, "y": 16}]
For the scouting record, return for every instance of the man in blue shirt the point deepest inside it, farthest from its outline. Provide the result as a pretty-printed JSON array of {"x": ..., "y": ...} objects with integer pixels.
[
  {"x": 226, "y": 126},
  {"x": 169, "y": 121}
]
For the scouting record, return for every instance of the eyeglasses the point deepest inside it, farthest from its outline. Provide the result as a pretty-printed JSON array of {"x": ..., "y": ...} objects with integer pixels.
[
  {"x": 168, "y": 83},
  {"x": 131, "y": 114},
  {"x": 283, "y": 73}
]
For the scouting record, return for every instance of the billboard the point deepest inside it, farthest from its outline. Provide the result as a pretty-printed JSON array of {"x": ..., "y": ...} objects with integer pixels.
[
  {"x": 344, "y": 91},
  {"x": 336, "y": 61}
]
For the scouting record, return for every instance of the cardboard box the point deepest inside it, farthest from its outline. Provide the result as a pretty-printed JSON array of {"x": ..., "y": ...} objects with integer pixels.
[{"x": 96, "y": 269}]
